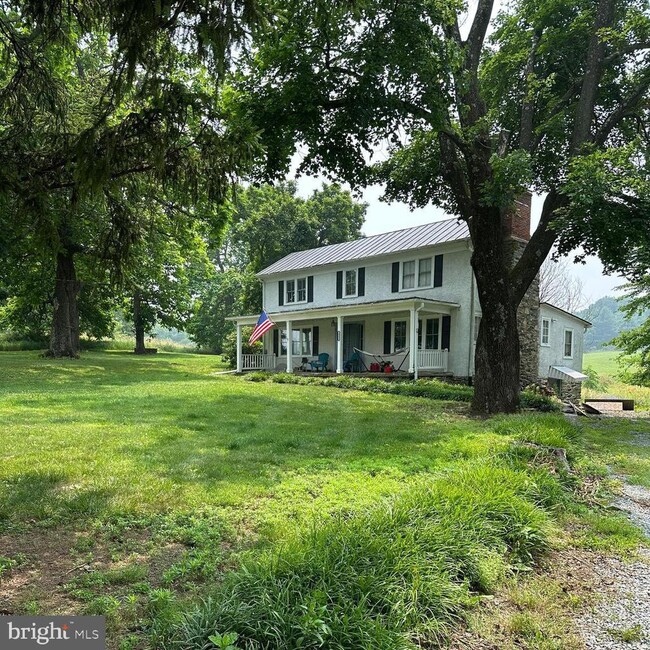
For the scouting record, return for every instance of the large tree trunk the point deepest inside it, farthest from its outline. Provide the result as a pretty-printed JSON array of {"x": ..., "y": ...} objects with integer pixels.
[
  {"x": 138, "y": 324},
  {"x": 497, "y": 358},
  {"x": 64, "y": 341}
]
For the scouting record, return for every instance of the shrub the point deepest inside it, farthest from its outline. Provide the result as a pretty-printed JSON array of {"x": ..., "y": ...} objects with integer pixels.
[
  {"x": 531, "y": 400},
  {"x": 594, "y": 381},
  {"x": 431, "y": 388}
]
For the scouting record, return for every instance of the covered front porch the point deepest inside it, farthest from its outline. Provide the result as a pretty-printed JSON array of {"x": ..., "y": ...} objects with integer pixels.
[{"x": 357, "y": 338}]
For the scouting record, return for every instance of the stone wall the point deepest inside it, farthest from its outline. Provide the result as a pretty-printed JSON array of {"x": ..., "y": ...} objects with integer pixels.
[{"x": 517, "y": 232}]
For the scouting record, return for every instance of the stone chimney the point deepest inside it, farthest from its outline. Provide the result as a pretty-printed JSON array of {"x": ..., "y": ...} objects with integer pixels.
[{"x": 517, "y": 231}]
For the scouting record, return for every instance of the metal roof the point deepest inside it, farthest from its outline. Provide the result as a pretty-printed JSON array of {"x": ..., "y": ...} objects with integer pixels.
[
  {"x": 564, "y": 372},
  {"x": 396, "y": 241},
  {"x": 567, "y": 313}
]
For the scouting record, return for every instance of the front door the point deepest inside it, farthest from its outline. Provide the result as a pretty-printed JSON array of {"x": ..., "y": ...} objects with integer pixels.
[{"x": 352, "y": 338}]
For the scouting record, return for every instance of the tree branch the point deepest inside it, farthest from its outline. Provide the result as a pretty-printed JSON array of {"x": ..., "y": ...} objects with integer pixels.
[
  {"x": 623, "y": 109},
  {"x": 537, "y": 249},
  {"x": 477, "y": 33},
  {"x": 593, "y": 73},
  {"x": 528, "y": 104}
]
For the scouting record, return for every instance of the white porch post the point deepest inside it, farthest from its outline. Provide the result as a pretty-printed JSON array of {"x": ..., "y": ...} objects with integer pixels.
[
  {"x": 339, "y": 344},
  {"x": 414, "y": 342},
  {"x": 289, "y": 347},
  {"x": 240, "y": 360}
]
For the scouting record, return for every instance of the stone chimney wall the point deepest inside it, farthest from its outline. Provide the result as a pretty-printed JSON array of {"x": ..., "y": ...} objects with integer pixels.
[{"x": 517, "y": 232}]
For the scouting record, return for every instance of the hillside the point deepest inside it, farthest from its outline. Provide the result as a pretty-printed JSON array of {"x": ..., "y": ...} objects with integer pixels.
[{"x": 607, "y": 321}]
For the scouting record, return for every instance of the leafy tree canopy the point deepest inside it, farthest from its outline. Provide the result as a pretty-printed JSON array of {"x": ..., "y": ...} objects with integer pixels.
[{"x": 554, "y": 99}]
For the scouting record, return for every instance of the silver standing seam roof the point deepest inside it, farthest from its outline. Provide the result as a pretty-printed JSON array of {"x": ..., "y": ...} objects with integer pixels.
[{"x": 396, "y": 241}]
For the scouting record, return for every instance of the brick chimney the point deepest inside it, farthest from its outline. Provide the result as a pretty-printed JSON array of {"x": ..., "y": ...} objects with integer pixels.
[{"x": 516, "y": 223}]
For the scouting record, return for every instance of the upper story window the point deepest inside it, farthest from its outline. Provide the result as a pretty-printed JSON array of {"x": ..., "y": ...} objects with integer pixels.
[
  {"x": 351, "y": 283},
  {"x": 422, "y": 273},
  {"x": 408, "y": 275},
  {"x": 296, "y": 290},
  {"x": 350, "y": 288},
  {"x": 545, "y": 333},
  {"x": 568, "y": 344}
]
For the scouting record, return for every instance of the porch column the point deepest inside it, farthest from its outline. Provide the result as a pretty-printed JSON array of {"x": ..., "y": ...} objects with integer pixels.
[
  {"x": 289, "y": 346},
  {"x": 413, "y": 347},
  {"x": 339, "y": 344},
  {"x": 240, "y": 360}
]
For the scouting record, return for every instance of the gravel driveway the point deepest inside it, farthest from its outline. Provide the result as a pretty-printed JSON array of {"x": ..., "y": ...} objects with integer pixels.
[{"x": 621, "y": 618}]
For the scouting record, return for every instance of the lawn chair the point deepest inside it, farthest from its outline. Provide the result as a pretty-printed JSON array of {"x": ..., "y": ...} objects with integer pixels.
[
  {"x": 353, "y": 364},
  {"x": 321, "y": 363}
]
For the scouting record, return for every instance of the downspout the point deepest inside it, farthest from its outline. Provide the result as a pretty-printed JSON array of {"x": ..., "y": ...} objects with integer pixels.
[{"x": 417, "y": 351}]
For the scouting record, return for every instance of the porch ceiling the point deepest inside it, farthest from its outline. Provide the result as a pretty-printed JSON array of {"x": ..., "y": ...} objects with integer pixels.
[{"x": 363, "y": 309}]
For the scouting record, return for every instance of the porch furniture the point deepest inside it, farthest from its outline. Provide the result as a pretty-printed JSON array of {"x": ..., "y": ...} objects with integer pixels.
[
  {"x": 353, "y": 364},
  {"x": 321, "y": 363}
]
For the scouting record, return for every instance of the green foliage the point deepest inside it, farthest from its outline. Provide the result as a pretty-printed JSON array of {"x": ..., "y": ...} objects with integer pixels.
[
  {"x": 594, "y": 381},
  {"x": 268, "y": 222},
  {"x": 531, "y": 400},
  {"x": 431, "y": 388},
  {"x": 230, "y": 346},
  {"x": 224, "y": 641},
  {"x": 402, "y": 569}
]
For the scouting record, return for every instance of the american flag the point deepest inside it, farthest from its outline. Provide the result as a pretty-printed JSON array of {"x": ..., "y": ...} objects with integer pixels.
[{"x": 264, "y": 324}]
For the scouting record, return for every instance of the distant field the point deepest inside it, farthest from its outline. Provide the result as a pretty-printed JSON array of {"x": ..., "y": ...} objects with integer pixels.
[{"x": 603, "y": 362}]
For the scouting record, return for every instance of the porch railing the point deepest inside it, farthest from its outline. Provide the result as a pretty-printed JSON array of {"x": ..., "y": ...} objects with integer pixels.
[
  {"x": 433, "y": 359},
  {"x": 258, "y": 361}
]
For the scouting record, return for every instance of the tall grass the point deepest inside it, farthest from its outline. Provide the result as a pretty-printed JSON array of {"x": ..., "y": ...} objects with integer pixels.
[
  {"x": 117, "y": 343},
  {"x": 396, "y": 576}
]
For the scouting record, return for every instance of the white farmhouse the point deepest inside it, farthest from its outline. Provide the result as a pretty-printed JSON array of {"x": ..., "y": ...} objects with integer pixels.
[{"x": 406, "y": 297}]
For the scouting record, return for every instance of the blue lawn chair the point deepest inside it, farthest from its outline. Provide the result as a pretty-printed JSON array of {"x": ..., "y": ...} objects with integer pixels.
[
  {"x": 353, "y": 364},
  {"x": 321, "y": 364}
]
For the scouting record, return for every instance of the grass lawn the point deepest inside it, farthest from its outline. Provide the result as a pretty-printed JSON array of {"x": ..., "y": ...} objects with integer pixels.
[
  {"x": 131, "y": 486},
  {"x": 605, "y": 364}
]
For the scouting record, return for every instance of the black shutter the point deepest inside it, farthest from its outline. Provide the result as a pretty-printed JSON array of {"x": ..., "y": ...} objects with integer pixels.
[
  {"x": 281, "y": 293},
  {"x": 310, "y": 288},
  {"x": 437, "y": 271},
  {"x": 446, "y": 332},
  {"x": 361, "y": 281},
  {"x": 387, "y": 332},
  {"x": 276, "y": 342},
  {"x": 395, "y": 278},
  {"x": 314, "y": 340},
  {"x": 339, "y": 284}
]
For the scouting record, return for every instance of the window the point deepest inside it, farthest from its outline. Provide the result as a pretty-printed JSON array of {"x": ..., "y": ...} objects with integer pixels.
[
  {"x": 351, "y": 283},
  {"x": 424, "y": 272},
  {"x": 477, "y": 324},
  {"x": 408, "y": 275},
  {"x": 302, "y": 290},
  {"x": 568, "y": 344},
  {"x": 418, "y": 273},
  {"x": 399, "y": 335},
  {"x": 431, "y": 334},
  {"x": 546, "y": 331},
  {"x": 296, "y": 290},
  {"x": 301, "y": 342}
]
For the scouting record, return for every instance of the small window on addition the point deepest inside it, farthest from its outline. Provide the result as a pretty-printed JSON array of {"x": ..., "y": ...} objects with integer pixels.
[
  {"x": 568, "y": 344},
  {"x": 546, "y": 331}
]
